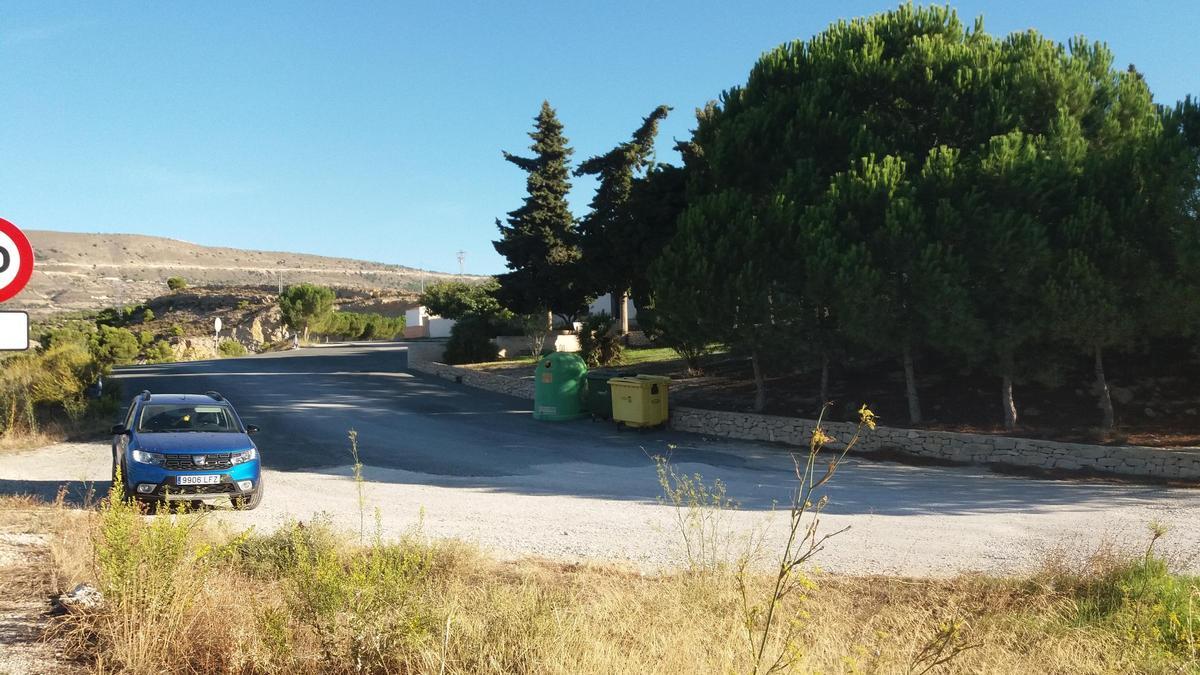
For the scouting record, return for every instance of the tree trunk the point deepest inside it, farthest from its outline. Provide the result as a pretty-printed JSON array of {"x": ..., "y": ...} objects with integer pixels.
[
  {"x": 549, "y": 321},
  {"x": 910, "y": 387},
  {"x": 1105, "y": 398},
  {"x": 760, "y": 385},
  {"x": 1006, "y": 399},
  {"x": 623, "y": 313},
  {"x": 824, "y": 379}
]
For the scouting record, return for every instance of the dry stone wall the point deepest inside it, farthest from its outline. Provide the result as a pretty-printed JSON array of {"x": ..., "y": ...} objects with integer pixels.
[
  {"x": 500, "y": 384},
  {"x": 1181, "y": 464}
]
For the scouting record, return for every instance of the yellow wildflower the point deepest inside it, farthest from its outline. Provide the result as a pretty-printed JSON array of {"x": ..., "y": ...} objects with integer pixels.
[
  {"x": 820, "y": 438},
  {"x": 867, "y": 417}
]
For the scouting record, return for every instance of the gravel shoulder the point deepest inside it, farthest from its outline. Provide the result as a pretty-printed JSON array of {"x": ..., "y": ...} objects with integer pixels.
[
  {"x": 24, "y": 589},
  {"x": 903, "y": 520}
]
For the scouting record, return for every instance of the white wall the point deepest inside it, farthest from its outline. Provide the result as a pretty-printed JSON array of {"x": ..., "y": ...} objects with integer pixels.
[
  {"x": 417, "y": 316},
  {"x": 440, "y": 328},
  {"x": 603, "y": 304}
]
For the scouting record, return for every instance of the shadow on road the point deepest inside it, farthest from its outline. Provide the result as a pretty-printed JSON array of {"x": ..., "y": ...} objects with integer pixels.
[{"x": 417, "y": 429}]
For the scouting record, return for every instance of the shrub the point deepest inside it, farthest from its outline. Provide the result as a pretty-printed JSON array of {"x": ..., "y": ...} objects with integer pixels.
[
  {"x": 686, "y": 340},
  {"x": 147, "y": 315},
  {"x": 457, "y": 299},
  {"x": 160, "y": 352},
  {"x": 535, "y": 327},
  {"x": 356, "y": 326},
  {"x": 471, "y": 341},
  {"x": 115, "y": 345},
  {"x": 78, "y": 332},
  {"x": 157, "y": 577},
  {"x": 232, "y": 348},
  {"x": 176, "y": 283},
  {"x": 599, "y": 343},
  {"x": 1137, "y": 597},
  {"x": 51, "y": 382},
  {"x": 359, "y": 607},
  {"x": 176, "y": 330}
]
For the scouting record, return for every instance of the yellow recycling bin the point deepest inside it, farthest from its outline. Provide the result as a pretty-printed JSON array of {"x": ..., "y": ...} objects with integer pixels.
[{"x": 640, "y": 401}]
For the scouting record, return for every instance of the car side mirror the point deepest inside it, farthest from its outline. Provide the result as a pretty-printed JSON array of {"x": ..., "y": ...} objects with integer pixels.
[
  {"x": 251, "y": 429},
  {"x": 119, "y": 430}
]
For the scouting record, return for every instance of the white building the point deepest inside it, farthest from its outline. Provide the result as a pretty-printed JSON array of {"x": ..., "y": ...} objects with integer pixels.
[
  {"x": 419, "y": 323},
  {"x": 605, "y": 304}
]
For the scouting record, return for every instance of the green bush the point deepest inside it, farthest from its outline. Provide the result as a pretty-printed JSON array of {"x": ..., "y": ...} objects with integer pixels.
[
  {"x": 356, "y": 326},
  {"x": 471, "y": 341},
  {"x": 151, "y": 572},
  {"x": 232, "y": 348},
  {"x": 363, "y": 608},
  {"x": 77, "y": 331},
  {"x": 688, "y": 341},
  {"x": 50, "y": 382},
  {"x": 115, "y": 346},
  {"x": 1142, "y": 600},
  {"x": 160, "y": 352},
  {"x": 457, "y": 299},
  {"x": 176, "y": 283},
  {"x": 147, "y": 315},
  {"x": 599, "y": 343}
]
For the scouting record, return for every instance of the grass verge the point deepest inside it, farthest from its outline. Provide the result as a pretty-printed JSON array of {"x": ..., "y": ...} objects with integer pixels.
[{"x": 181, "y": 594}]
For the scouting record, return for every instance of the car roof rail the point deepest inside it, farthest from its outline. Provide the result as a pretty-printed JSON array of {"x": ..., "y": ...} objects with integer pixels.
[
  {"x": 145, "y": 395},
  {"x": 214, "y": 395}
]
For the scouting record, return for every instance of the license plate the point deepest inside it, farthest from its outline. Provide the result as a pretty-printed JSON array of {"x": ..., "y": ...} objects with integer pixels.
[{"x": 198, "y": 480}]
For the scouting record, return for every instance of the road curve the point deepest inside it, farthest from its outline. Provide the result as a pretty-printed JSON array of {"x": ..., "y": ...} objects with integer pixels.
[{"x": 459, "y": 462}]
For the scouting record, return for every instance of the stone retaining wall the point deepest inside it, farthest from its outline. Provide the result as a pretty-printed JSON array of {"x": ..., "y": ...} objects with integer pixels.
[
  {"x": 982, "y": 449},
  {"x": 1176, "y": 464},
  {"x": 501, "y": 384}
]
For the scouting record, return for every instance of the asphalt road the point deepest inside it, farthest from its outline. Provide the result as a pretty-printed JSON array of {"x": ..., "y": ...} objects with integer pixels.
[{"x": 475, "y": 465}]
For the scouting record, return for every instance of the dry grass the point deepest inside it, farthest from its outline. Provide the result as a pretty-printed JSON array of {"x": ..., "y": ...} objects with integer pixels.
[
  {"x": 54, "y": 431},
  {"x": 306, "y": 599},
  {"x": 184, "y": 595}
]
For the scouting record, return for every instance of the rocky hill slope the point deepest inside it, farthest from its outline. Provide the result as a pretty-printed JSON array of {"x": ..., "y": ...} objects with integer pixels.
[{"x": 76, "y": 271}]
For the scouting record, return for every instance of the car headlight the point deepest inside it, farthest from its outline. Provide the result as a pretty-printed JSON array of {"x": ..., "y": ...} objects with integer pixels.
[
  {"x": 143, "y": 457},
  {"x": 244, "y": 456}
]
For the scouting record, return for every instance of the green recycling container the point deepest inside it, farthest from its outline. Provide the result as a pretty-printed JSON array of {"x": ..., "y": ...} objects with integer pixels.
[
  {"x": 559, "y": 385},
  {"x": 599, "y": 395}
]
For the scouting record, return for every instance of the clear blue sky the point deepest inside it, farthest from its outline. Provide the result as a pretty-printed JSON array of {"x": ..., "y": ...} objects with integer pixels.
[{"x": 374, "y": 130}]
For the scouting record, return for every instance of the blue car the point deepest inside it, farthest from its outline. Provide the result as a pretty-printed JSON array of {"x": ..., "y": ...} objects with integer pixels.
[{"x": 186, "y": 447}]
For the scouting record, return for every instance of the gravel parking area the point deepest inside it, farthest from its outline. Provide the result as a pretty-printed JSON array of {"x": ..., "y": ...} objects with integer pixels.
[{"x": 912, "y": 521}]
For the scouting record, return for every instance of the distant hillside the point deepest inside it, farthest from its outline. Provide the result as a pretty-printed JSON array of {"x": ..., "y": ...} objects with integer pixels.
[{"x": 76, "y": 271}]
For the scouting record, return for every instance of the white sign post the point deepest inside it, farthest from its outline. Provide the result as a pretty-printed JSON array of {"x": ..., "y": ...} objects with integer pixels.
[{"x": 217, "y": 327}]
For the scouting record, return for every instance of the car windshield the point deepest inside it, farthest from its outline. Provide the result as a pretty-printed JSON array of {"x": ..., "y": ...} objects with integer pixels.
[{"x": 174, "y": 418}]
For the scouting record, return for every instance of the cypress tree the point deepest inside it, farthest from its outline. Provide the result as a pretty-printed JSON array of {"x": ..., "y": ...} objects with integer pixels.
[
  {"x": 608, "y": 232},
  {"x": 540, "y": 240}
]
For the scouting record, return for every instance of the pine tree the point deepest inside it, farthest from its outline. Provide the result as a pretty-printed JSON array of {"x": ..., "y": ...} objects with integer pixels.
[
  {"x": 540, "y": 240},
  {"x": 717, "y": 281},
  {"x": 902, "y": 287}
]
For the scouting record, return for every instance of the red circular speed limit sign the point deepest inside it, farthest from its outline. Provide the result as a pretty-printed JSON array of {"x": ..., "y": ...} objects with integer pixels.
[{"x": 16, "y": 260}]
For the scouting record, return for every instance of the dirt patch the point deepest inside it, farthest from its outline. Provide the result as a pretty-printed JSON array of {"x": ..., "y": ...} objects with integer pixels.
[{"x": 28, "y": 578}]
